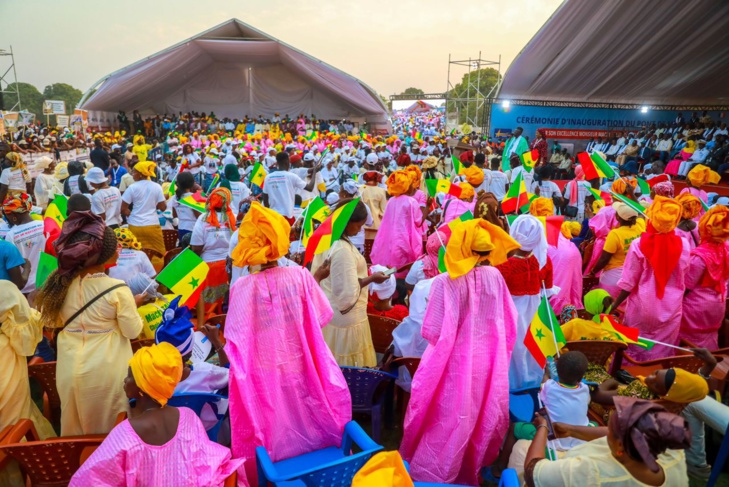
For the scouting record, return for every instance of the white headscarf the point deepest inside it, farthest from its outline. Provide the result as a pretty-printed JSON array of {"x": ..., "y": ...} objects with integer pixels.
[
  {"x": 350, "y": 186},
  {"x": 529, "y": 232},
  {"x": 384, "y": 290}
]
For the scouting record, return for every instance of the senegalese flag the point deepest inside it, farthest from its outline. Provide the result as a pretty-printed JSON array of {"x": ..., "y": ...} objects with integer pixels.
[
  {"x": 53, "y": 220},
  {"x": 624, "y": 333},
  {"x": 598, "y": 196},
  {"x": 552, "y": 227},
  {"x": 543, "y": 332},
  {"x": 185, "y": 276},
  {"x": 457, "y": 165},
  {"x": 633, "y": 204},
  {"x": 418, "y": 136},
  {"x": 516, "y": 197},
  {"x": 529, "y": 159},
  {"x": 172, "y": 187},
  {"x": 645, "y": 188},
  {"x": 46, "y": 264},
  {"x": 595, "y": 166},
  {"x": 317, "y": 210},
  {"x": 330, "y": 231},
  {"x": 258, "y": 174},
  {"x": 530, "y": 197},
  {"x": 442, "y": 186},
  {"x": 195, "y": 201}
]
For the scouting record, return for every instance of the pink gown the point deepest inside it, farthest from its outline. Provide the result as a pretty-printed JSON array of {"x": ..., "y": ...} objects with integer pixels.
[
  {"x": 691, "y": 238},
  {"x": 287, "y": 392},
  {"x": 399, "y": 241},
  {"x": 189, "y": 459},
  {"x": 420, "y": 197},
  {"x": 567, "y": 274},
  {"x": 459, "y": 408},
  {"x": 659, "y": 319},
  {"x": 601, "y": 224},
  {"x": 454, "y": 208},
  {"x": 703, "y": 307}
]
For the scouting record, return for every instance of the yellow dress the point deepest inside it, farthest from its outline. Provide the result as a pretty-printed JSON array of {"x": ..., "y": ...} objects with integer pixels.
[
  {"x": 347, "y": 335},
  {"x": 20, "y": 332},
  {"x": 93, "y": 354},
  {"x": 376, "y": 199}
]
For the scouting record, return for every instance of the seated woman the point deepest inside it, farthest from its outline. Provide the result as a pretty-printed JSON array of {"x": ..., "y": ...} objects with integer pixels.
[
  {"x": 158, "y": 444},
  {"x": 640, "y": 446},
  {"x": 132, "y": 260},
  {"x": 380, "y": 303}
]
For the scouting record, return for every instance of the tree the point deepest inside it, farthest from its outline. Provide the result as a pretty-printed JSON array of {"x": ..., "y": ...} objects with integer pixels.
[
  {"x": 413, "y": 91},
  {"x": 30, "y": 98},
  {"x": 480, "y": 87},
  {"x": 387, "y": 102},
  {"x": 65, "y": 92}
]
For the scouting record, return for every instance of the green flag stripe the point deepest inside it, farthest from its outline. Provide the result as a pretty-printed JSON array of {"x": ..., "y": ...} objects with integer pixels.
[
  {"x": 342, "y": 220},
  {"x": 179, "y": 268}
]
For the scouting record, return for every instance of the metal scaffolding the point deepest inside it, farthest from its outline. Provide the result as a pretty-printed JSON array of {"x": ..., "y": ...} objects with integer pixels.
[
  {"x": 9, "y": 91},
  {"x": 472, "y": 107}
]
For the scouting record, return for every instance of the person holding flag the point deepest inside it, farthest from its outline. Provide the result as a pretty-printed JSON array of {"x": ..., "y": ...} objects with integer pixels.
[
  {"x": 653, "y": 280},
  {"x": 458, "y": 411}
]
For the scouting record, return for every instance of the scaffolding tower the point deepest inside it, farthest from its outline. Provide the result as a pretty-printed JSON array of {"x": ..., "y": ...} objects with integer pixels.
[
  {"x": 9, "y": 90},
  {"x": 472, "y": 106}
]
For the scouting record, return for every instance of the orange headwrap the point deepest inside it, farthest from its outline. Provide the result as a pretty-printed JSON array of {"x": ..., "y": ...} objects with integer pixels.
[
  {"x": 467, "y": 192},
  {"x": 542, "y": 207},
  {"x": 474, "y": 175},
  {"x": 714, "y": 225},
  {"x": 219, "y": 201},
  {"x": 691, "y": 205},
  {"x": 415, "y": 173},
  {"x": 399, "y": 183},
  {"x": 701, "y": 175},
  {"x": 17, "y": 204},
  {"x": 263, "y": 237},
  {"x": 714, "y": 232},
  {"x": 619, "y": 185},
  {"x": 660, "y": 244}
]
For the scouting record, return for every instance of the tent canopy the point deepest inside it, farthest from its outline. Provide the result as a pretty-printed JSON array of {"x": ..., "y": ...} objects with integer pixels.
[
  {"x": 648, "y": 52},
  {"x": 235, "y": 70}
]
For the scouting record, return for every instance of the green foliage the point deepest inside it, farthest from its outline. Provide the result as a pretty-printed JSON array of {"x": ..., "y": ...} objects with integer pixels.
[
  {"x": 32, "y": 100},
  {"x": 489, "y": 77},
  {"x": 387, "y": 102},
  {"x": 413, "y": 91}
]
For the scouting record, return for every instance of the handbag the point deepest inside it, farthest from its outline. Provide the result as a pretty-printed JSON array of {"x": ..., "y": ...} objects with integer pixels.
[{"x": 570, "y": 211}]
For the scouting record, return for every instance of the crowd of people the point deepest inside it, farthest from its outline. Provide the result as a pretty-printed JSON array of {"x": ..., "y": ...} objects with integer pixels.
[{"x": 463, "y": 280}]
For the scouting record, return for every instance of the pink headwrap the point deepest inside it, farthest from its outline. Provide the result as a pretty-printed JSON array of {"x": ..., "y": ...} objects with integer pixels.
[
  {"x": 579, "y": 176},
  {"x": 430, "y": 259},
  {"x": 664, "y": 189}
]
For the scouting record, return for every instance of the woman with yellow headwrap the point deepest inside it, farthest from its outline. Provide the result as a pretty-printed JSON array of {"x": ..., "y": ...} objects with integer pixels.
[
  {"x": 470, "y": 325},
  {"x": 132, "y": 261},
  {"x": 399, "y": 241},
  {"x": 653, "y": 279},
  {"x": 276, "y": 316},
  {"x": 688, "y": 227},
  {"x": 706, "y": 278},
  {"x": 13, "y": 179},
  {"x": 158, "y": 434},
  {"x": 146, "y": 198},
  {"x": 697, "y": 178}
]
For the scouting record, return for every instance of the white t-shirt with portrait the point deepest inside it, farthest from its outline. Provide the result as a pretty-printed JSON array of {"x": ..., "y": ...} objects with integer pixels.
[
  {"x": 130, "y": 263},
  {"x": 145, "y": 195},
  {"x": 214, "y": 240},
  {"x": 281, "y": 187},
  {"x": 30, "y": 241},
  {"x": 239, "y": 191},
  {"x": 107, "y": 202},
  {"x": 13, "y": 179}
]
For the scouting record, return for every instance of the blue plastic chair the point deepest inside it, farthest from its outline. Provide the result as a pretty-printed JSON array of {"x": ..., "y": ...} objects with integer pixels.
[
  {"x": 329, "y": 467},
  {"x": 508, "y": 479},
  {"x": 720, "y": 460},
  {"x": 196, "y": 401},
  {"x": 363, "y": 384},
  {"x": 523, "y": 403}
]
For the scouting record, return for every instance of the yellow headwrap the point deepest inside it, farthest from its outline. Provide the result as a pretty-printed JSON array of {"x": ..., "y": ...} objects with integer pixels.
[
  {"x": 619, "y": 185},
  {"x": 597, "y": 205},
  {"x": 714, "y": 225},
  {"x": 399, "y": 183},
  {"x": 664, "y": 214},
  {"x": 146, "y": 168},
  {"x": 480, "y": 236},
  {"x": 157, "y": 370},
  {"x": 415, "y": 173},
  {"x": 474, "y": 175},
  {"x": 691, "y": 205},
  {"x": 263, "y": 237},
  {"x": 701, "y": 175},
  {"x": 467, "y": 192},
  {"x": 127, "y": 239},
  {"x": 687, "y": 387},
  {"x": 570, "y": 229},
  {"x": 542, "y": 207},
  {"x": 385, "y": 469}
]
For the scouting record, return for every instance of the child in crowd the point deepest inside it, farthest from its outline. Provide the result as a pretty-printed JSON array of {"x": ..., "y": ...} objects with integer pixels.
[
  {"x": 186, "y": 217},
  {"x": 25, "y": 233},
  {"x": 105, "y": 199},
  {"x": 380, "y": 303}
]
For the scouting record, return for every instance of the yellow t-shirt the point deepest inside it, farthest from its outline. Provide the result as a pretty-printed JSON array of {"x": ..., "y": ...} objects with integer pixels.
[
  {"x": 141, "y": 151},
  {"x": 618, "y": 242}
]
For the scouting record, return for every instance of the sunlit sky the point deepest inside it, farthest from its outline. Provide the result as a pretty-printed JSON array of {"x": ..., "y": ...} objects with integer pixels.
[{"x": 388, "y": 44}]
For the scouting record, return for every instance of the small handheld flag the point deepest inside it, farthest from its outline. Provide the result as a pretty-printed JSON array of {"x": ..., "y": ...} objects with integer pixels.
[
  {"x": 544, "y": 335},
  {"x": 516, "y": 197},
  {"x": 185, "y": 276},
  {"x": 529, "y": 159},
  {"x": 195, "y": 201},
  {"x": 258, "y": 174},
  {"x": 330, "y": 231},
  {"x": 435, "y": 186}
]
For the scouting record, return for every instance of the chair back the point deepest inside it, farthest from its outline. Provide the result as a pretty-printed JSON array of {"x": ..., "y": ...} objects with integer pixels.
[
  {"x": 171, "y": 254},
  {"x": 170, "y": 239},
  {"x": 368, "y": 249},
  {"x": 687, "y": 362},
  {"x": 410, "y": 363},
  {"x": 588, "y": 284},
  {"x": 193, "y": 400},
  {"x": 45, "y": 374},
  {"x": 597, "y": 351},
  {"x": 152, "y": 254},
  {"x": 137, "y": 344},
  {"x": 363, "y": 384},
  {"x": 381, "y": 329},
  {"x": 523, "y": 403},
  {"x": 339, "y": 473}
]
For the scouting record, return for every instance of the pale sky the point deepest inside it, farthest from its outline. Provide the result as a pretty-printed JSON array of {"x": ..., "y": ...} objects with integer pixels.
[{"x": 388, "y": 44}]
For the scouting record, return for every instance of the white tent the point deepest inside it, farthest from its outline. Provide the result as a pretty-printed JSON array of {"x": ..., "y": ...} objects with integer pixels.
[
  {"x": 234, "y": 70},
  {"x": 647, "y": 52}
]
